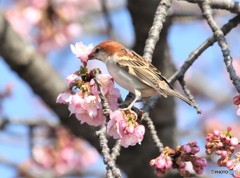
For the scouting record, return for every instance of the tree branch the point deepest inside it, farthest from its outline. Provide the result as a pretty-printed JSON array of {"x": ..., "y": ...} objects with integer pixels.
[
  {"x": 153, "y": 131},
  {"x": 229, "y": 5},
  {"x": 222, "y": 42},
  {"x": 112, "y": 170},
  {"x": 153, "y": 35},
  {"x": 232, "y": 23}
]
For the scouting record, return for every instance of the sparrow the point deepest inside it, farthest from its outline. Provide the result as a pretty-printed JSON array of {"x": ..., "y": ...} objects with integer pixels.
[{"x": 133, "y": 72}]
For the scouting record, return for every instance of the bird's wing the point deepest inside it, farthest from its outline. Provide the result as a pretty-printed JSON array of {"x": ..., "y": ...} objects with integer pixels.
[{"x": 143, "y": 70}]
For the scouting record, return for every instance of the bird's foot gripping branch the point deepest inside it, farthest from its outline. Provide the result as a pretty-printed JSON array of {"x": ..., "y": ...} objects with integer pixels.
[{"x": 91, "y": 96}]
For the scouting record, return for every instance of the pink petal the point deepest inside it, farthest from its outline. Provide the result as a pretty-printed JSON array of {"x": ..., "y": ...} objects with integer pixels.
[
  {"x": 81, "y": 51},
  {"x": 238, "y": 110},
  {"x": 64, "y": 98},
  {"x": 234, "y": 141},
  {"x": 71, "y": 78}
]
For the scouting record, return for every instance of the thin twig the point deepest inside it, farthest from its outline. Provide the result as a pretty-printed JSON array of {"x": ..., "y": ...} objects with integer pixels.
[
  {"x": 153, "y": 131},
  {"x": 31, "y": 144},
  {"x": 30, "y": 122},
  {"x": 105, "y": 105},
  {"x": 106, "y": 17},
  {"x": 189, "y": 95},
  {"x": 116, "y": 150},
  {"x": 229, "y": 5},
  {"x": 112, "y": 170},
  {"x": 153, "y": 35},
  {"x": 6, "y": 161},
  {"x": 232, "y": 23}
]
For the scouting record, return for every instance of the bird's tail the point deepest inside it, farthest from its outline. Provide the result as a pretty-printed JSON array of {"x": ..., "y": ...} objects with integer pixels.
[{"x": 175, "y": 93}]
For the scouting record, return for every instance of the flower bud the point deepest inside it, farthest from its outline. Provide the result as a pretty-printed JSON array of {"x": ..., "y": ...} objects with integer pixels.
[{"x": 236, "y": 100}]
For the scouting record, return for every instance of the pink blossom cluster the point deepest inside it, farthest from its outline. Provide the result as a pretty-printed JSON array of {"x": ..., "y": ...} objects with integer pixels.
[
  {"x": 236, "y": 101},
  {"x": 187, "y": 153},
  {"x": 83, "y": 100},
  {"x": 49, "y": 24},
  {"x": 69, "y": 154},
  {"x": 163, "y": 162},
  {"x": 123, "y": 125},
  {"x": 178, "y": 158},
  {"x": 234, "y": 164},
  {"x": 82, "y": 95},
  {"x": 223, "y": 144}
]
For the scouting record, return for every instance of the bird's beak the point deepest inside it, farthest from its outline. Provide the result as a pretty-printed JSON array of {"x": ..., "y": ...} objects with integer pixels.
[{"x": 91, "y": 56}]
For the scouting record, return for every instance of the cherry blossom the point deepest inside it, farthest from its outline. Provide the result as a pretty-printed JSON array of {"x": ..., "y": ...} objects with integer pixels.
[
  {"x": 64, "y": 97},
  {"x": 82, "y": 51},
  {"x": 221, "y": 143},
  {"x": 112, "y": 94},
  {"x": 49, "y": 25},
  {"x": 234, "y": 165},
  {"x": 180, "y": 157},
  {"x": 75, "y": 104},
  {"x": 66, "y": 155},
  {"x": 123, "y": 126},
  {"x": 236, "y": 101},
  {"x": 163, "y": 162},
  {"x": 82, "y": 96},
  {"x": 99, "y": 119},
  {"x": 71, "y": 78}
]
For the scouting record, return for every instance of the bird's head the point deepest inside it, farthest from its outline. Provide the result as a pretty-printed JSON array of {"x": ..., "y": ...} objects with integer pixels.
[{"x": 105, "y": 50}]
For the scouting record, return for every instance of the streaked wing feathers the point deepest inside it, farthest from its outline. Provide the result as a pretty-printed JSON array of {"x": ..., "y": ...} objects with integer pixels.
[{"x": 143, "y": 70}]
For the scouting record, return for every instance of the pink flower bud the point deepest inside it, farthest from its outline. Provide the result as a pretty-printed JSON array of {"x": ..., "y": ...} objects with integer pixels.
[
  {"x": 234, "y": 141},
  {"x": 231, "y": 163},
  {"x": 216, "y": 132},
  {"x": 195, "y": 150},
  {"x": 238, "y": 110},
  {"x": 218, "y": 152},
  {"x": 182, "y": 164},
  {"x": 219, "y": 145},
  {"x": 209, "y": 145},
  {"x": 236, "y": 100},
  {"x": 209, "y": 151},
  {"x": 163, "y": 162},
  {"x": 186, "y": 148},
  {"x": 236, "y": 170},
  {"x": 227, "y": 140},
  {"x": 232, "y": 148},
  {"x": 209, "y": 137},
  {"x": 229, "y": 129},
  {"x": 199, "y": 161},
  {"x": 199, "y": 170},
  {"x": 152, "y": 162},
  {"x": 193, "y": 143},
  {"x": 222, "y": 136},
  {"x": 224, "y": 153}
]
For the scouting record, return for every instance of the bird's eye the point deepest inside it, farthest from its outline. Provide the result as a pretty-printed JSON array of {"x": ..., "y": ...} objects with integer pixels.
[{"x": 97, "y": 50}]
